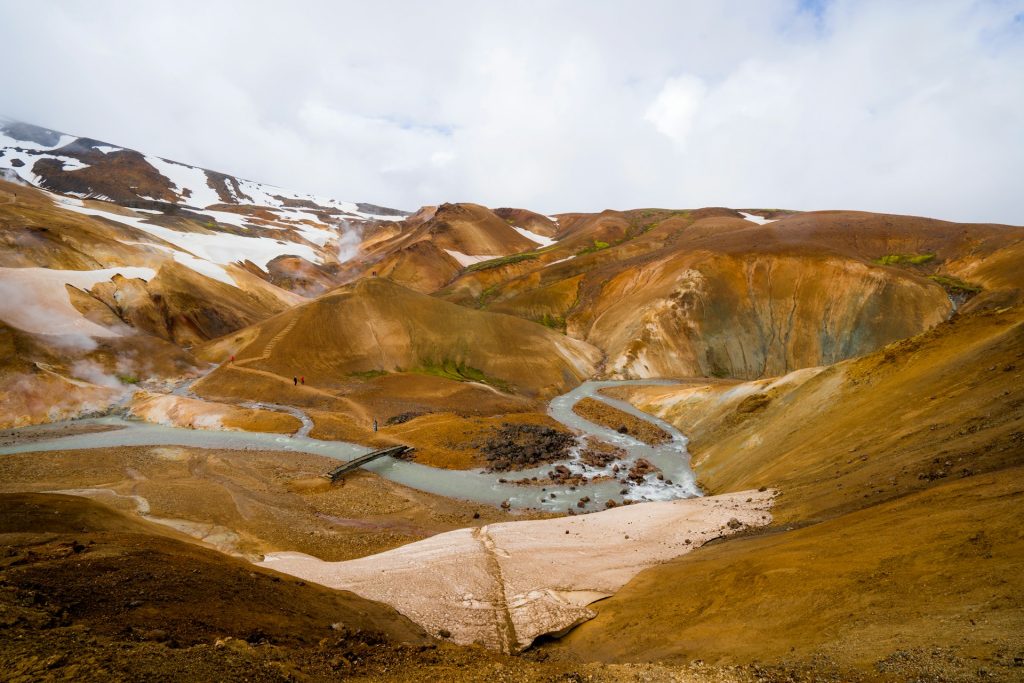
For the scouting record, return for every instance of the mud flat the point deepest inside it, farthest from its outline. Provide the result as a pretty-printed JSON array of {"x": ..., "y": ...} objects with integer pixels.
[{"x": 48, "y": 432}]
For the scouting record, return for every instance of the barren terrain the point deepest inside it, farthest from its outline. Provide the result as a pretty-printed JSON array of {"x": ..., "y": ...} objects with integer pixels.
[{"x": 861, "y": 373}]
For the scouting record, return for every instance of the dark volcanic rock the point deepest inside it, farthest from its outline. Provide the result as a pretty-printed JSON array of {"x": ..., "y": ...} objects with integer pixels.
[{"x": 517, "y": 446}]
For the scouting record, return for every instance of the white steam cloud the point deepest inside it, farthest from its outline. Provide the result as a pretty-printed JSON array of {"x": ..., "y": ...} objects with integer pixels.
[
  {"x": 351, "y": 236},
  {"x": 94, "y": 373}
]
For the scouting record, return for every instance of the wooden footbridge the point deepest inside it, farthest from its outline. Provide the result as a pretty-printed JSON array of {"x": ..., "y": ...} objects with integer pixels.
[{"x": 341, "y": 470}]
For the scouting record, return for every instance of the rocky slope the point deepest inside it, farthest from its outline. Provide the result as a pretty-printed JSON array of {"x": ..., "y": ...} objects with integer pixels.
[
  {"x": 896, "y": 535},
  {"x": 429, "y": 249},
  {"x": 711, "y": 293}
]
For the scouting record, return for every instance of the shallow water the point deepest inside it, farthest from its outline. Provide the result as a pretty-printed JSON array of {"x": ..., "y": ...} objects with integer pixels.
[{"x": 476, "y": 485}]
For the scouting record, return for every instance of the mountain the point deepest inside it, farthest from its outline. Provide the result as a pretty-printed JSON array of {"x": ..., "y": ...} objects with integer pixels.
[
  {"x": 899, "y": 515},
  {"x": 99, "y": 241},
  {"x": 205, "y": 219},
  {"x": 430, "y": 248},
  {"x": 864, "y": 367},
  {"x": 91, "y": 169},
  {"x": 712, "y": 292},
  {"x": 375, "y": 327},
  {"x": 190, "y": 256}
]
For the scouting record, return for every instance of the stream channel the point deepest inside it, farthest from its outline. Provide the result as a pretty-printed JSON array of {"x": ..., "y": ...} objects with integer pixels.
[{"x": 671, "y": 457}]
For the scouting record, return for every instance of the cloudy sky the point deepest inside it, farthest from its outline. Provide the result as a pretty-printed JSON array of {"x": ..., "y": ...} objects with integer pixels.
[{"x": 909, "y": 107}]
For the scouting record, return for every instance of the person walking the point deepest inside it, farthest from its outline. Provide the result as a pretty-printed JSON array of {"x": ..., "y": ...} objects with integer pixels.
[
  {"x": 303, "y": 380},
  {"x": 374, "y": 424},
  {"x": 295, "y": 381}
]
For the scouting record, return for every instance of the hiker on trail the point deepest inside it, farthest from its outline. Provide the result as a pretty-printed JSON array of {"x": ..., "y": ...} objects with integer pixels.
[
  {"x": 303, "y": 380},
  {"x": 232, "y": 358},
  {"x": 295, "y": 381},
  {"x": 374, "y": 424}
]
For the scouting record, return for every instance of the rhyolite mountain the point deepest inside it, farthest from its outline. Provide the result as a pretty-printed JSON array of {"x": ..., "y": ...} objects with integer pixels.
[
  {"x": 712, "y": 292},
  {"x": 868, "y": 367}
]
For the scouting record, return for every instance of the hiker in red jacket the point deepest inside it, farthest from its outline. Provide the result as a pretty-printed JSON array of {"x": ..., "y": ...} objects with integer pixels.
[{"x": 303, "y": 380}]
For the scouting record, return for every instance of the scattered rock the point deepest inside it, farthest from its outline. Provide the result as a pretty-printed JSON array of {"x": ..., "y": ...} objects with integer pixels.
[
  {"x": 599, "y": 455},
  {"x": 402, "y": 418},
  {"x": 640, "y": 469},
  {"x": 517, "y": 446}
]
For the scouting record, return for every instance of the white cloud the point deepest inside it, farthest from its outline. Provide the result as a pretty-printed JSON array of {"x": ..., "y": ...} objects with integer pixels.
[
  {"x": 908, "y": 107},
  {"x": 676, "y": 107}
]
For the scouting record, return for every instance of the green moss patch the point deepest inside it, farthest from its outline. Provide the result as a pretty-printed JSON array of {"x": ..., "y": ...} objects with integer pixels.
[
  {"x": 460, "y": 373},
  {"x": 955, "y": 285},
  {"x": 368, "y": 374},
  {"x": 501, "y": 261},
  {"x": 904, "y": 259}
]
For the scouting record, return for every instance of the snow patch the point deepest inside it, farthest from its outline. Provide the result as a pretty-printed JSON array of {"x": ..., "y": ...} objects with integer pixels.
[
  {"x": 468, "y": 259},
  {"x": 228, "y": 218},
  {"x": 216, "y": 248},
  {"x": 186, "y": 178},
  {"x": 35, "y": 299},
  {"x": 756, "y": 219},
  {"x": 534, "y": 237}
]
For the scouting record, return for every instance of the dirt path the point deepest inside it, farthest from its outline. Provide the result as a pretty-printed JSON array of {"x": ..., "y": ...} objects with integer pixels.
[
  {"x": 353, "y": 407},
  {"x": 506, "y": 629},
  {"x": 269, "y": 348}
]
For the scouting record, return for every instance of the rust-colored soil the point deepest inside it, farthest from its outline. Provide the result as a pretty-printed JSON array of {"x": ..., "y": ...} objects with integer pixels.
[
  {"x": 896, "y": 539},
  {"x": 924, "y": 586},
  {"x": 374, "y": 327},
  {"x": 454, "y": 442},
  {"x": 105, "y": 582},
  {"x": 248, "y": 503},
  {"x": 603, "y": 414},
  {"x": 707, "y": 293},
  {"x": 79, "y": 578}
]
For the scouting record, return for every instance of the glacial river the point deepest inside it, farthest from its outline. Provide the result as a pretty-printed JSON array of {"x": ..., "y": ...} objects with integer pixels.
[{"x": 477, "y": 485}]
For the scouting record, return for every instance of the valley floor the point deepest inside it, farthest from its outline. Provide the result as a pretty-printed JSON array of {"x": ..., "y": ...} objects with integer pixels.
[{"x": 895, "y": 552}]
